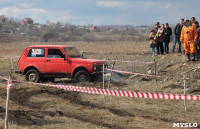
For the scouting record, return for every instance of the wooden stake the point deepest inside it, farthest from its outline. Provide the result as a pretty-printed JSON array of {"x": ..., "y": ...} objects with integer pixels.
[
  {"x": 111, "y": 73},
  {"x": 103, "y": 76},
  {"x": 155, "y": 68},
  {"x": 11, "y": 63},
  {"x": 7, "y": 106},
  {"x": 184, "y": 82}
]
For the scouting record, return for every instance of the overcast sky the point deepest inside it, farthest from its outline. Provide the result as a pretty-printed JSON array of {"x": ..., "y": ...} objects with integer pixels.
[{"x": 101, "y": 12}]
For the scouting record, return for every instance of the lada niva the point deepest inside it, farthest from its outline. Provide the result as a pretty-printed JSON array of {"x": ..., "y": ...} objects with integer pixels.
[{"x": 57, "y": 61}]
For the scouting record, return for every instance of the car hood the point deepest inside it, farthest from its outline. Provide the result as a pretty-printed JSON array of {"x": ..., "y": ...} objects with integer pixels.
[{"x": 83, "y": 61}]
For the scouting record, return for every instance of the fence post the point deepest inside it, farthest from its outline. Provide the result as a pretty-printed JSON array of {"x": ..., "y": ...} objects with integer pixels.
[
  {"x": 11, "y": 62},
  {"x": 103, "y": 76},
  {"x": 155, "y": 68},
  {"x": 184, "y": 83},
  {"x": 111, "y": 74},
  {"x": 7, "y": 104}
]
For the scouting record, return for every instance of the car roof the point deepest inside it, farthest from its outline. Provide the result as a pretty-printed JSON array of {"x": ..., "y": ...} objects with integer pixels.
[{"x": 49, "y": 46}]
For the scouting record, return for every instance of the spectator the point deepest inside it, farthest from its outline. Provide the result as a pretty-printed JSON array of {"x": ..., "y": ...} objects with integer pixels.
[
  {"x": 157, "y": 26},
  {"x": 152, "y": 38},
  {"x": 192, "y": 20},
  {"x": 196, "y": 24},
  {"x": 167, "y": 32},
  {"x": 177, "y": 33},
  {"x": 159, "y": 43},
  {"x": 189, "y": 36}
]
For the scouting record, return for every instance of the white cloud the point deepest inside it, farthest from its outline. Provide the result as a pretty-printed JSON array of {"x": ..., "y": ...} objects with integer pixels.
[
  {"x": 25, "y": 5},
  {"x": 38, "y": 14},
  {"x": 167, "y": 6},
  {"x": 110, "y": 4},
  {"x": 17, "y": 12}
]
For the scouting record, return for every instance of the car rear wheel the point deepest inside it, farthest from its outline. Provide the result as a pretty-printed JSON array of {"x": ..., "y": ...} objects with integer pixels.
[
  {"x": 32, "y": 76},
  {"x": 82, "y": 76}
]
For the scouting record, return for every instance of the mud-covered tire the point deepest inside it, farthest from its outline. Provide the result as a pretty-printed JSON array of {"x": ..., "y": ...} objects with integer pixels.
[
  {"x": 82, "y": 76},
  {"x": 32, "y": 75}
]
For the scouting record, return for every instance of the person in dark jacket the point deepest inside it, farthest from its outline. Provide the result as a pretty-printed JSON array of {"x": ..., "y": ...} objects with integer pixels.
[
  {"x": 159, "y": 41},
  {"x": 167, "y": 32},
  {"x": 159, "y": 44},
  {"x": 177, "y": 33},
  {"x": 196, "y": 24}
]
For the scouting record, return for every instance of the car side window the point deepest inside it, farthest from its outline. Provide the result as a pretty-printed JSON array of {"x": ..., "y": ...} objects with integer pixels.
[
  {"x": 55, "y": 53},
  {"x": 36, "y": 53}
]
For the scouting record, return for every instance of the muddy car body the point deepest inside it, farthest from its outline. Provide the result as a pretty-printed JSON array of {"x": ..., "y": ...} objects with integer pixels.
[{"x": 57, "y": 61}]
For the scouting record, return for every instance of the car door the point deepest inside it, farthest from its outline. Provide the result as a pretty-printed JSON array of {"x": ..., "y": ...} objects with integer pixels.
[
  {"x": 55, "y": 62},
  {"x": 34, "y": 57}
]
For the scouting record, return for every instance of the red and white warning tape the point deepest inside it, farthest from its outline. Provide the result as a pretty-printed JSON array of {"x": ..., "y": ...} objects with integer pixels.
[
  {"x": 149, "y": 75},
  {"x": 137, "y": 62},
  {"x": 9, "y": 84},
  {"x": 122, "y": 93},
  {"x": 125, "y": 93},
  {"x": 117, "y": 92}
]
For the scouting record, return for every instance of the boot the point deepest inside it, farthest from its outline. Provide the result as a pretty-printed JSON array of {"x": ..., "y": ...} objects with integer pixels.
[
  {"x": 193, "y": 56},
  {"x": 188, "y": 56}
]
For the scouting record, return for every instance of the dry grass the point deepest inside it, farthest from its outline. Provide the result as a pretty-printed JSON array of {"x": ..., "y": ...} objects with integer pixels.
[{"x": 48, "y": 108}]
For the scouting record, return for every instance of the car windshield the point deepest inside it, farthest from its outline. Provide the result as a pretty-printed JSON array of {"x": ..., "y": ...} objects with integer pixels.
[{"x": 72, "y": 52}]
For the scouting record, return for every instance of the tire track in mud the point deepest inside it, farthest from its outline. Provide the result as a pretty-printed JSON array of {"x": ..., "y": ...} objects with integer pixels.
[
  {"x": 29, "y": 117},
  {"x": 89, "y": 120},
  {"x": 75, "y": 99},
  {"x": 170, "y": 68},
  {"x": 21, "y": 97},
  {"x": 25, "y": 117}
]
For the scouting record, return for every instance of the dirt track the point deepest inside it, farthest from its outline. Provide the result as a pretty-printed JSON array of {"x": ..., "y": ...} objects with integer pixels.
[{"x": 41, "y": 107}]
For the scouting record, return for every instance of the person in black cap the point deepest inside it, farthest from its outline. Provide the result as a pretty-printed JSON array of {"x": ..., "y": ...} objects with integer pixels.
[{"x": 157, "y": 26}]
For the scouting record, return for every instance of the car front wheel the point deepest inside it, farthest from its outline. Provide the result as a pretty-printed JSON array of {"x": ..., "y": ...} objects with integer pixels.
[
  {"x": 32, "y": 76},
  {"x": 82, "y": 76}
]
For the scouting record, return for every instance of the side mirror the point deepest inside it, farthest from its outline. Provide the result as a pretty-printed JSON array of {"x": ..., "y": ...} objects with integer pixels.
[{"x": 82, "y": 52}]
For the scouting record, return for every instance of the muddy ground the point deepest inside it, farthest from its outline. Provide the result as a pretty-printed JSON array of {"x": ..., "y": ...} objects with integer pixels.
[{"x": 34, "y": 106}]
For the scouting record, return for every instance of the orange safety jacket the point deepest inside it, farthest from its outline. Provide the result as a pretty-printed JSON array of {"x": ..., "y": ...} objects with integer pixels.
[{"x": 188, "y": 37}]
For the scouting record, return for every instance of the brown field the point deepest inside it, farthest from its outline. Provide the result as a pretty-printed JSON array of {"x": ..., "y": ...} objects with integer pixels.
[{"x": 35, "y": 107}]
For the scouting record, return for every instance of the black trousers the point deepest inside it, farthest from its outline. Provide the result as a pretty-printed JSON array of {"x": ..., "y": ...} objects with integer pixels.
[
  {"x": 198, "y": 51},
  {"x": 159, "y": 48}
]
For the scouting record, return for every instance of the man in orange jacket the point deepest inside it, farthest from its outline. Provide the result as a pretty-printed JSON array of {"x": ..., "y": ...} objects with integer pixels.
[{"x": 189, "y": 36}]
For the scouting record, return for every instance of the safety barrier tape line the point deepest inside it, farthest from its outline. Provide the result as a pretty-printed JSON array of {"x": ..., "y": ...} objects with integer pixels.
[
  {"x": 131, "y": 61},
  {"x": 4, "y": 78},
  {"x": 127, "y": 93},
  {"x": 148, "y": 75},
  {"x": 9, "y": 84},
  {"x": 119, "y": 92}
]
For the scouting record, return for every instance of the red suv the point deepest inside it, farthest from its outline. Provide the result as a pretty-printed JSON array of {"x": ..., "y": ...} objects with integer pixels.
[{"x": 57, "y": 61}]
